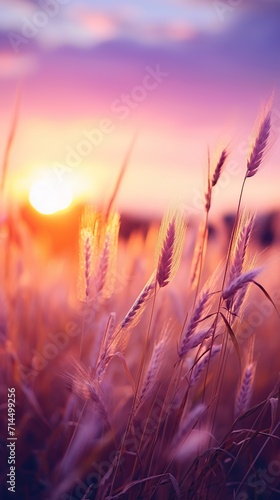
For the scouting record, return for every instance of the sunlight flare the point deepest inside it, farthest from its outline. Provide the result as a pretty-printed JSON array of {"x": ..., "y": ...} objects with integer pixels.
[{"x": 48, "y": 196}]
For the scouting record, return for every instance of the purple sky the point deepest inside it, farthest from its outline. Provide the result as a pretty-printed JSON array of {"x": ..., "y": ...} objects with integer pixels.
[{"x": 222, "y": 63}]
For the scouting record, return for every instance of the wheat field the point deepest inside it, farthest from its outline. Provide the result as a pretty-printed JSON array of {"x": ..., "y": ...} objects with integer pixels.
[{"x": 148, "y": 369}]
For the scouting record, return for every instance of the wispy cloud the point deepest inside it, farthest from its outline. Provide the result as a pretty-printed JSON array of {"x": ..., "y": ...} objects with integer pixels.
[
  {"x": 87, "y": 26},
  {"x": 12, "y": 14},
  {"x": 80, "y": 23},
  {"x": 89, "y": 22}
]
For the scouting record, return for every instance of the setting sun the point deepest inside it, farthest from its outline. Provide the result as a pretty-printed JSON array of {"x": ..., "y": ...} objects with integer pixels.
[{"x": 48, "y": 196}]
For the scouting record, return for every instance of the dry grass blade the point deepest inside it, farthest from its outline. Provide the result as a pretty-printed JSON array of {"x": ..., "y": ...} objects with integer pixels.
[
  {"x": 208, "y": 194},
  {"x": 233, "y": 337},
  {"x": 199, "y": 253},
  {"x": 10, "y": 143},
  {"x": 266, "y": 294},
  {"x": 275, "y": 407},
  {"x": 121, "y": 175},
  {"x": 166, "y": 477}
]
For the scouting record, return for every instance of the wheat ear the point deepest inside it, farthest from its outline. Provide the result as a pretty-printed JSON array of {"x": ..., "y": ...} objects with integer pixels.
[
  {"x": 196, "y": 339},
  {"x": 244, "y": 394},
  {"x": 239, "y": 282},
  {"x": 240, "y": 249},
  {"x": 259, "y": 147},
  {"x": 170, "y": 247},
  {"x": 85, "y": 387},
  {"x": 202, "y": 364},
  {"x": 195, "y": 319},
  {"x": 219, "y": 166},
  {"x": 121, "y": 335},
  {"x": 106, "y": 270},
  {"x": 153, "y": 368},
  {"x": 188, "y": 424}
]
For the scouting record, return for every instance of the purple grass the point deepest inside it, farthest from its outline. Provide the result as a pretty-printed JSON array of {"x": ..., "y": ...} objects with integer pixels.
[
  {"x": 150, "y": 378},
  {"x": 219, "y": 166},
  {"x": 196, "y": 317},
  {"x": 240, "y": 249},
  {"x": 239, "y": 282},
  {"x": 87, "y": 256},
  {"x": 165, "y": 261},
  {"x": 196, "y": 339},
  {"x": 201, "y": 365},
  {"x": 188, "y": 424},
  {"x": 144, "y": 296},
  {"x": 245, "y": 390},
  {"x": 259, "y": 147}
]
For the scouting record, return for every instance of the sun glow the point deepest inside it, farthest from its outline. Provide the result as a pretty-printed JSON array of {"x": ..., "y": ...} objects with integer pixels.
[{"x": 49, "y": 196}]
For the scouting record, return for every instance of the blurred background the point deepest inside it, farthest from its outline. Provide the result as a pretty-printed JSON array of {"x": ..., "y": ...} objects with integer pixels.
[
  {"x": 184, "y": 75},
  {"x": 82, "y": 83}
]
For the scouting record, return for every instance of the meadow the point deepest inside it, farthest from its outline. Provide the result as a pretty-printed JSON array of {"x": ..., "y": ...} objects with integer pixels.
[{"x": 144, "y": 366}]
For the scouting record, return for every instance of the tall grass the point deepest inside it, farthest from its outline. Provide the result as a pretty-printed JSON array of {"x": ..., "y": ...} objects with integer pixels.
[{"x": 146, "y": 387}]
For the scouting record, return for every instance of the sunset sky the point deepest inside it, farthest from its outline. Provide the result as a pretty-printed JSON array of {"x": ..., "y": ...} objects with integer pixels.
[{"x": 184, "y": 74}]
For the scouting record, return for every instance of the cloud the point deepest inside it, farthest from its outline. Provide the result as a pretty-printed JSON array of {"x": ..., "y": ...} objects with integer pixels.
[
  {"x": 247, "y": 44},
  {"x": 102, "y": 25},
  {"x": 125, "y": 24},
  {"x": 81, "y": 27},
  {"x": 84, "y": 25},
  {"x": 12, "y": 14}
]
